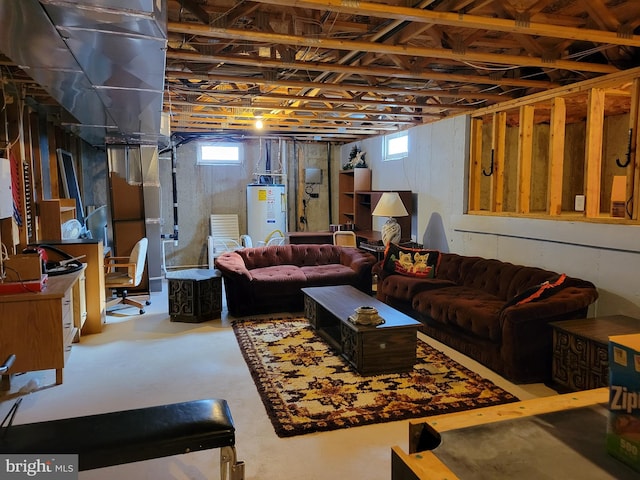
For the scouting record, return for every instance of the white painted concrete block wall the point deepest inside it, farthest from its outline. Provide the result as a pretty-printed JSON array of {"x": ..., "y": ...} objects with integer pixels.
[{"x": 436, "y": 171}]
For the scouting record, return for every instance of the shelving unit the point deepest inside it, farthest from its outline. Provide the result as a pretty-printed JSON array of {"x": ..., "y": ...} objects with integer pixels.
[
  {"x": 351, "y": 181},
  {"x": 357, "y": 201},
  {"x": 53, "y": 213},
  {"x": 365, "y": 203}
]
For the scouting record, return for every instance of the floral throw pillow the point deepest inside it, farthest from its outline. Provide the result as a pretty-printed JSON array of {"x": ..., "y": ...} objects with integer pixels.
[{"x": 413, "y": 262}]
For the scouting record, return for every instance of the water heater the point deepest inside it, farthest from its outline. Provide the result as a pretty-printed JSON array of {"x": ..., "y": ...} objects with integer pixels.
[{"x": 266, "y": 210}]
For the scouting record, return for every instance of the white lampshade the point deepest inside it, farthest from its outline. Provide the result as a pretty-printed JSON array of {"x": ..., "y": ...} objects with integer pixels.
[{"x": 390, "y": 205}]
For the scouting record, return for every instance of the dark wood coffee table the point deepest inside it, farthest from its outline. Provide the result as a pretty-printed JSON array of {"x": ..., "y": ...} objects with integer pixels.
[{"x": 372, "y": 350}]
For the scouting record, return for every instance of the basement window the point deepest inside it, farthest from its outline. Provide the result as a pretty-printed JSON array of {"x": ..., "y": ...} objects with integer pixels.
[
  {"x": 220, "y": 153},
  {"x": 396, "y": 146}
]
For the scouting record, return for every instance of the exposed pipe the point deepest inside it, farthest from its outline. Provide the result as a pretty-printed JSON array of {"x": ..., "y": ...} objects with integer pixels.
[
  {"x": 174, "y": 235},
  {"x": 329, "y": 180}
]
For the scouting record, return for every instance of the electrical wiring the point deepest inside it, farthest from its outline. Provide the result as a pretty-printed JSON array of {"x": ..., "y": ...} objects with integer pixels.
[{"x": 4, "y": 254}]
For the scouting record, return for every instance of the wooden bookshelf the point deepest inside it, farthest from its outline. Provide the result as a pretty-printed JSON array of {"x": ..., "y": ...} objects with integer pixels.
[
  {"x": 351, "y": 181},
  {"x": 52, "y": 214},
  {"x": 365, "y": 203}
]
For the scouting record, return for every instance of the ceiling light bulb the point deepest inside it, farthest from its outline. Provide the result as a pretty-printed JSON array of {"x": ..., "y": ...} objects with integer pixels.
[{"x": 259, "y": 123}]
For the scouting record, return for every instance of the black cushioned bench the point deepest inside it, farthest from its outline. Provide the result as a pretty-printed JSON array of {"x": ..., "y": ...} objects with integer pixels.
[{"x": 133, "y": 435}]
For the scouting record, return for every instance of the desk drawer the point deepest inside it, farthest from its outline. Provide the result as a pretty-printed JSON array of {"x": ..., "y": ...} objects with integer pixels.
[
  {"x": 69, "y": 329},
  {"x": 67, "y": 305}
]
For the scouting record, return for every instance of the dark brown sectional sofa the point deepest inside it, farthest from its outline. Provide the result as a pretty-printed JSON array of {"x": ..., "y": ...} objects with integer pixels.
[
  {"x": 263, "y": 279},
  {"x": 471, "y": 305}
]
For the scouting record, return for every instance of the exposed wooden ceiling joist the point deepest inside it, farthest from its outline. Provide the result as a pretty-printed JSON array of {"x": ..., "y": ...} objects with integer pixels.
[
  {"x": 340, "y": 70},
  {"x": 406, "y": 50},
  {"x": 523, "y": 25},
  {"x": 300, "y": 64}
]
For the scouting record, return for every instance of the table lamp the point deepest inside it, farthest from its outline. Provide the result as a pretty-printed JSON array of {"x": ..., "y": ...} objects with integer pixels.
[{"x": 390, "y": 205}]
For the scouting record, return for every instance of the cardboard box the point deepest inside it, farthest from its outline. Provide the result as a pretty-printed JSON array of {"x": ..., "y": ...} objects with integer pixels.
[
  {"x": 23, "y": 268},
  {"x": 623, "y": 428}
]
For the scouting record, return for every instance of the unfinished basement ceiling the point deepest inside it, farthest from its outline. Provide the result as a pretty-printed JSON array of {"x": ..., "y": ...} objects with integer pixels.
[{"x": 341, "y": 70}]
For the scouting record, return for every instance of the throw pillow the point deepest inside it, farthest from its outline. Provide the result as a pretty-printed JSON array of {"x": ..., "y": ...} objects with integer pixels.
[
  {"x": 538, "y": 292},
  {"x": 413, "y": 262}
]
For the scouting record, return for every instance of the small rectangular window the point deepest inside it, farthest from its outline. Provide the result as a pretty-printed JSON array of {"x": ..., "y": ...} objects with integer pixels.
[
  {"x": 220, "y": 153},
  {"x": 396, "y": 146}
]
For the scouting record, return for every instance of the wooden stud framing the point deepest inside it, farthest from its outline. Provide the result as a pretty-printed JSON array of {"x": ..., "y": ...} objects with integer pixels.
[
  {"x": 599, "y": 95},
  {"x": 593, "y": 152},
  {"x": 633, "y": 170},
  {"x": 525, "y": 152},
  {"x": 52, "y": 140},
  {"x": 475, "y": 170},
  {"x": 499, "y": 146},
  {"x": 557, "y": 126}
]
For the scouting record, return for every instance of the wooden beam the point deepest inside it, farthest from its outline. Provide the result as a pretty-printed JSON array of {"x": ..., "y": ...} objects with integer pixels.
[
  {"x": 593, "y": 151},
  {"x": 499, "y": 156},
  {"x": 345, "y": 87},
  {"x": 344, "y": 113},
  {"x": 416, "y": 73},
  {"x": 557, "y": 127},
  {"x": 422, "y": 52},
  {"x": 611, "y": 80},
  {"x": 199, "y": 12},
  {"x": 511, "y": 411},
  {"x": 458, "y": 19},
  {"x": 525, "y": 158},
  {"x": 475, "y": 165},
  {"x": 216, "y": 95},
  {"x": 633, "y": 172},
  {"x": 601, "y": 15}
]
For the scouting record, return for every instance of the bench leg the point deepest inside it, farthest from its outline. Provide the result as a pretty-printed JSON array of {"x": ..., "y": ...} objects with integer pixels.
[
  {"x": 229, "y": 463},
  {"x": 5, "y": 382}
]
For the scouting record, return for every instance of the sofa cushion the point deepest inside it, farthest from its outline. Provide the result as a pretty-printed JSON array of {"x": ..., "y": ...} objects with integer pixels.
[
  {"x": 503, "y": 279},
  {"x": 332, "y": 274},
  {"x": 405, "y": 288},
  {"x": 277, "y": 280},
  {"x": 472, "y": 310},
  {"x": 307, "y": 255},
  {"x": 412, "y": 262},
  {"x": 261, "y": 257}
]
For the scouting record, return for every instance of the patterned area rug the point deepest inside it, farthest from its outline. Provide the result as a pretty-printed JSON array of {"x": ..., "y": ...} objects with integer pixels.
[{"x": 306, "y": 387}]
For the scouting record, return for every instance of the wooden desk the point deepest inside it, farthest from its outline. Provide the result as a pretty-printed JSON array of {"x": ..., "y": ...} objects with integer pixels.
[
  {"x": 369, "y": 236},
  {"x": 93, "y": 252},
  {"x": 431, "y": 465},
  {"x": 39, "y": 327}
]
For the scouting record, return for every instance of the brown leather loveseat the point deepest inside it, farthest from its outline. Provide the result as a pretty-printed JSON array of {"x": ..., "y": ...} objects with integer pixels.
[
  {"x": 492, "y": 311},
  {"x": 263, "y": 279}
]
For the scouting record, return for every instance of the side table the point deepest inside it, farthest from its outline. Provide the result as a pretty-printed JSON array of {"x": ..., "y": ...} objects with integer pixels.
[
  {"x": 581, "y": 350},
  {"x": 195, "y": 295}
]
